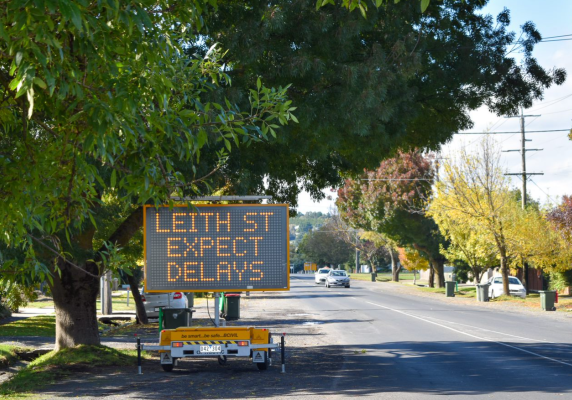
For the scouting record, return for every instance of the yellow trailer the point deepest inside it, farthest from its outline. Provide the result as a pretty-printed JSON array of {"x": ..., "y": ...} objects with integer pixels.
[{"x": 221, "y": 342}]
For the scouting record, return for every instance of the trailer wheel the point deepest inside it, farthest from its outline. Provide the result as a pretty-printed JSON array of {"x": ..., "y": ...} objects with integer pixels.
[
  {"x": 222, "y": 360},
  {"x": 167, "y": 367},
  {"x": 263, "y": 366}
]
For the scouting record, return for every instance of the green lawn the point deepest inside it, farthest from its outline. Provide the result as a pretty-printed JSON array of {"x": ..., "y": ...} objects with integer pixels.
[
  {"x": 533, "y": 301},
  {"x": 53, "y": 366},
  {"x": 8, "y": 354},
  {"x": 119, "y": 302},
  {"x": 383, "y": 277},
  {"x": 43, "y": 325},
  {"x": 464, "y": 291}
]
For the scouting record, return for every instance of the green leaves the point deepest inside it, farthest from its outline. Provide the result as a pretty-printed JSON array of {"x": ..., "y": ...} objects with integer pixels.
[{"x": 116, "y": 112}]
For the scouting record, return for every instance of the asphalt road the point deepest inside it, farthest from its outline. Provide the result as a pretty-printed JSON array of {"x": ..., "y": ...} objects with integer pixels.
[
  {"x": 373, "y": 340},
  {"x": 410, "y": 347}
]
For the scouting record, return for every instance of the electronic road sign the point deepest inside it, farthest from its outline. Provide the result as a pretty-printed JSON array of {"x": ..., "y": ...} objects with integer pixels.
[{"x": 213, "y": 248}]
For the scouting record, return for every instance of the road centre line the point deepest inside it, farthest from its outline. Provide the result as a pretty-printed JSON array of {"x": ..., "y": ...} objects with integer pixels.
[{"x": 471, "y": 335}]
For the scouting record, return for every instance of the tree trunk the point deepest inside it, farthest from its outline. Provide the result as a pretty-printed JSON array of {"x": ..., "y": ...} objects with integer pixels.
[
  {"x": 504, "y": 272},
  {"x": 478, "y": 275},
  {"x": 431, "y": 277},
  {"x": 395, "y": 272},
  {"x": 75, "y": 293},
  {"x": 525, "y": 276},
  {"x": 395, "y": 266},
  {"x": 437, "y": 267},
  {"x": 139, "y": 307}
]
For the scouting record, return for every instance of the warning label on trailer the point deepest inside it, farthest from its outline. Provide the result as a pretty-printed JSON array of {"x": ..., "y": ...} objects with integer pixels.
[{"x": 258, "y": 356}]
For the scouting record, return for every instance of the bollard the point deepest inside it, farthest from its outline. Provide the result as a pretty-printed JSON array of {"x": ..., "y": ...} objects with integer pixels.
[
  {"x": 139, "y": 356},
  {"x": 282, "y": 353}
]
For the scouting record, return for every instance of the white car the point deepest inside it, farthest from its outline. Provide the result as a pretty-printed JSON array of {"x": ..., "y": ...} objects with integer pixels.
[
  {"x": 337, "y": 278},
  {"x": 514, "y": 286},
  {"x": 320, "y": 275},
  {"x": 152, "y": 301}
]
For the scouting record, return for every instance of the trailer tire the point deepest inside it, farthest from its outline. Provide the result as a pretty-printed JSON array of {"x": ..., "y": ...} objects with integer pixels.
[
  {"x": 222, "y": 360},
  {"x": 167, "y": 367},
  {"x": 263, "y": 366}
]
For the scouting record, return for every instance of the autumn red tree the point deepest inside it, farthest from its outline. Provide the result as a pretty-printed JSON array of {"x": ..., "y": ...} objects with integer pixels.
[
  {"x": 391, "y": 200},
  {"x": 561, "y": 217}
]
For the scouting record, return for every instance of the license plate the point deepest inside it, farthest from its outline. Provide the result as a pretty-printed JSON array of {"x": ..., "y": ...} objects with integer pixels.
[{"x": 211, "y": 349}]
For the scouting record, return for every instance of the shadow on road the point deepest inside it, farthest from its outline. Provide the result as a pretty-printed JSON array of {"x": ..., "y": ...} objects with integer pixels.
[{"x": 430, "y": 368}]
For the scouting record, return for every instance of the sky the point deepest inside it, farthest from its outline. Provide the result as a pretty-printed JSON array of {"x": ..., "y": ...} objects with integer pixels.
[{"x": 552, "y": 18}]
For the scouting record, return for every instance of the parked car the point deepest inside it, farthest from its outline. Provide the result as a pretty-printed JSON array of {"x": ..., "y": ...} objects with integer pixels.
[
  {"x": 320, "y": 275},
  {"x": 152, "y": 301},
  {"x": 515, "y": 287},
  {"x": 337, "y": 278}
]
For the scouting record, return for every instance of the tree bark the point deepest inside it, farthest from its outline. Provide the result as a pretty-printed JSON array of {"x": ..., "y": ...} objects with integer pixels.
[
  {"x": 504, "y": 272},
  {"x": 438, "y": 265},
  {"x": 75, "y": 293},
  {"x": 525, "y": 276},
  {"x": 395, "y": 265},
  {"x": 431, "y": 277},
  {"x": 139, "y": 307}
]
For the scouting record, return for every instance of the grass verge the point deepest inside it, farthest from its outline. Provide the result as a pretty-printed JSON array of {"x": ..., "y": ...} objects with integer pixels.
[
  {"x": 382, "y": 277},
  {"x": 464, "y": 291},
  {"x": 54, "y": 366},
  {"x": 42, "y": 325},
  {"x": 8, "y": 354}
]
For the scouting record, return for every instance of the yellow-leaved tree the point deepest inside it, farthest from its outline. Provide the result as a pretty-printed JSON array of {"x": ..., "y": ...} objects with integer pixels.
[
  {"x": 412, "y": 260},
  {"x": 535, "y": 241},
  {"x": 474, "y": 194},
  {"x": 474, "y": 246}
]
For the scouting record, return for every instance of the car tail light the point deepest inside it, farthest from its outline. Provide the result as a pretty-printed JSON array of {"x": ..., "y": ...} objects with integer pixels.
[
  {"x": 177, "y": 295},
  {"x": 242, "y": 343},
  {"x": 143, "y": 298},
  {"x": 177, "y": 344}
]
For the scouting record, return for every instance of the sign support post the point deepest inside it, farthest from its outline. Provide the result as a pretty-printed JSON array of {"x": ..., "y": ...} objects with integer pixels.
[{"x": 217, "y": 309}]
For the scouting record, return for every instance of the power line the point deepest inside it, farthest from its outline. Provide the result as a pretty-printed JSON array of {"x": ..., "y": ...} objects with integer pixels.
[
  {"x": 555, "y": 40},
  {"x": 559, "y": 36},
  {"x": 502, "y": 133},
  {"x": 552, "y": 102},
  {"x": 547, "y": 195}
]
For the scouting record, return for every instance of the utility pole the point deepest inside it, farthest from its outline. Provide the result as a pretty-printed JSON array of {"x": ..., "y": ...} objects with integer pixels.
[{"x": 523, "y": 174}]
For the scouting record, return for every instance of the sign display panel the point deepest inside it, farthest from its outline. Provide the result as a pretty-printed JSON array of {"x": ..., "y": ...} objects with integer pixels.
[{"x": 216, "y": 248}]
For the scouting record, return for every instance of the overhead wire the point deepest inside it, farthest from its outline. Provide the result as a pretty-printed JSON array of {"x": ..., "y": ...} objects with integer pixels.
[
  {"x": 552, "y": 102},
  {"x": 547, "y": 195}
]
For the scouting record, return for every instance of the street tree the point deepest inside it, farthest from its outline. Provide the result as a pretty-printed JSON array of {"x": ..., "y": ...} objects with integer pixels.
[
  {"x": 561, "y": 218},
  {"x": 376, "y": 243},
  {"x": 101, "y": 106},
  {"x": 325, "y": 247},
  {"x": 412, "y": 260},
  {"x": 372, "y": 246},
  {"x": 474, "y": 192},
  {"x": 470, "y": 246},
  {"x": 391, "y": 200},
  {"x": 365, "y": 87}
]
